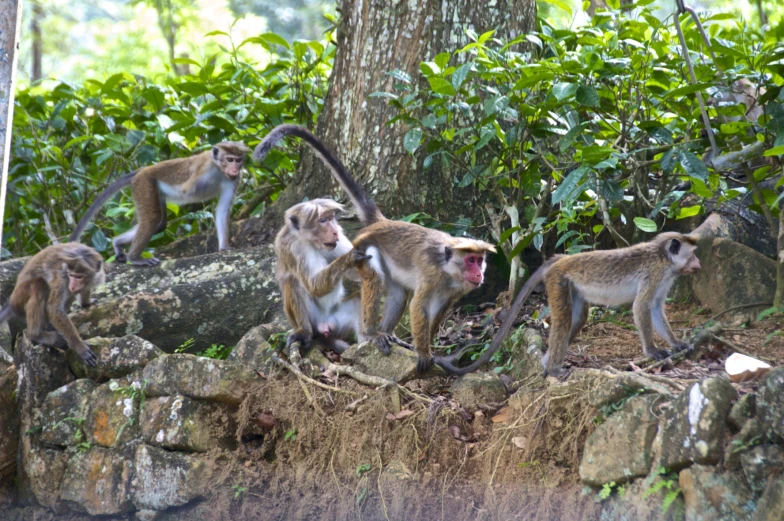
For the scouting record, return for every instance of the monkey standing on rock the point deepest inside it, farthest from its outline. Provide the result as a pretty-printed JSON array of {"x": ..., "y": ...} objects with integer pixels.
[
  {"x": 642, "y": 274},
  {"x": 201, "y": 177},
  {"x": 313, "y": 257},
  {"x": 404, "y": 258},
  {"x": 45, "y": 289}
]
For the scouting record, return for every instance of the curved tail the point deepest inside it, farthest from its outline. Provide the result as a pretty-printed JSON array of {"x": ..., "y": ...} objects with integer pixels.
[
  {"x": 447, "y": 362},
  {"x": 104, "y": 196},
  {"x": 6, "y": 314},
  {"x": 365, "y": 206}
]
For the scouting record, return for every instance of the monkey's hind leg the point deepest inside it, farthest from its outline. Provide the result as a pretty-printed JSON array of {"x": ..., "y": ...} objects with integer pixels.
[
  {"x": 151, "y": 212},
  {"x": 371, "y": 291},
  {"x": 420, "y": 327},
  {"x": 394, "y": 307},
  {"x": 35, "y": 315},
  {"x": 122, "y": 240},
  {"x": 558, "y": 296}
]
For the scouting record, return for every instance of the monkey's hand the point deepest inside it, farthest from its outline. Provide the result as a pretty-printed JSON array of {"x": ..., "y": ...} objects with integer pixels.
[
  {"x": 87, "y": 355},
  {"x": 359, "y": 257},
  {"x": 303, "y": 337},
  {"x": 424, "y": 363},
  {"x": 658, "y": 354},
  {"x": 88, "y": 303},
  {"x": 680, "y": 345}
]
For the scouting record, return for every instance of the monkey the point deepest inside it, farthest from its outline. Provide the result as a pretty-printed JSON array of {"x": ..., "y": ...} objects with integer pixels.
[
  {"x": 641, "y": 274},
  {"x": 405, "y": 260},
  {"x": 201, "y": 177},
  {"x": 45, "y": 289},
  {"x": 314, "y": 255}
]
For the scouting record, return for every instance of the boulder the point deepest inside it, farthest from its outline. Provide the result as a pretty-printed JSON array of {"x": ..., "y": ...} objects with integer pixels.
[
  {"x": 748, "y": 436},
  {"x": 732, "y": 275},
  {"x": 630, "y": 433},
  {"x": 63, "y": 412},
  {"x": 710, "y": 496},
  {"x": 770, "y": 405},
  {"x": 525, "y": 347},
  {"x": 637, "y": 503},
  {"x": 474, "y": 390},
  {"x": 693, "y": 426},
  {"x": 43, "y": 470},
  {"x": 744, "y": 408},
  {"x": 9, "y": 423},
  {"x": 253, "y": 350},
  {"x": 399, "y": 366},
  {"x": 771, "y": 504},
  {"x": 614, "y": 390},
  {"x": 200, "y": 378},
  {"x": 97, "y": 482},
  {"x": 181, "y": 423},
  {"x": 761, "y": 462},
  {"x": 117, "y": 357},
  {"x": 165, "y": 479},
  {"x": 112, "y": 418}
]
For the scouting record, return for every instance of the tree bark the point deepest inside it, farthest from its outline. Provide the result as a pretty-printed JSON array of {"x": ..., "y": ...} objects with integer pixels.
[
  {"x": 10, "y": 23},
  {"x": 35, "y": 31},
  {"x": 778, "y": 299},
  {"x": 376, "y": 37}
]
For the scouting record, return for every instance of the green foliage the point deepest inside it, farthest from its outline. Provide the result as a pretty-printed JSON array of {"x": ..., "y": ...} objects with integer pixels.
[
  {"x": 608, "y": 409},
  {"x": 216, "y": 351},
  {"x": 185, "y": 346},
  {"x": 363, "y": 469},
  {"x": 664, "y": 479},
  {"x": 290, "y": 435},
  {"x": 576, "y": 125},
  {"x": 238, "y": 490},
  {"x": 71, "y": 140}
]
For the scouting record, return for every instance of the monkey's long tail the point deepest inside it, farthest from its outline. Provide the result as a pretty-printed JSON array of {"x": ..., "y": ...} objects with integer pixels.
[
  {"x": 447, "y": 362},
  {"x": 366, "y": 207},
  {"x": 104, "y": 196},
  {"x": 6, "y": 314}
]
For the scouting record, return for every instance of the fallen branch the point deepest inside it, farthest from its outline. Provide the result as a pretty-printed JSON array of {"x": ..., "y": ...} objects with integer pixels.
[
  {"x": 356, "y": 403},
  {"x": 698, "y": 337},
  {"x": 737, "y": 349},
  {"x": 353, "y": 372},
  {"x": 742, "y": 306},
  {"x": 302, "y": 376}
]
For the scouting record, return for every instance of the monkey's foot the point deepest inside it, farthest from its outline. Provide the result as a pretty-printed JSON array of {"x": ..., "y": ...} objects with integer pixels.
[
  {"x": 152, "y": 261},
  {"x": 120, "y": 257},
  {"x": 384, "y": 342},
  {"x": 682, "y": 346},
  {"x": 89, "y": 357},
  {"x": 424, "y": 363},
  {"x": 555, "y": 372},
  {"x": 301, "y": 336},
  {"x": 659, "y": 354},
  {"x": 360, "y": 257}
]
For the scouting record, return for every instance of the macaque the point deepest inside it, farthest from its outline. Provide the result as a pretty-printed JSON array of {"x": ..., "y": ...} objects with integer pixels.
[
  {"x": 641, "y": 274},
  {"x": 314, "y": 256},
  {"x": 45, "y": 289},
  {"x": 201, "y": 177},
  {"x": 404, "y": 259}
]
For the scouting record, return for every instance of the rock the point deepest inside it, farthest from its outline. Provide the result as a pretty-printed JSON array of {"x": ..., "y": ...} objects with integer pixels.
[
  {"x": 200, "y": 378},
  {"x": 710, "y": 496},
  {"x": 474, "y": 390},
  {"x": 186, "y": 298},
  {"x": 117, "y": 357},
  {"x": 63, "y": 412},
  {"x": 630, "y": 433},
  {"x": 97, "y": 482},
  {"x": 624, "y": 385},
  {"x": 732, "y": 275},
  {"x": 744, "y": 408},
  {"x": 771, "y": 504},
  {"x": 637, "y": 503},
  {"x": 399, "y": 366},
  {"x": 770, "y": 405},
  {"x": 761, "y": 462},
  {"x": 180, "y": 423},
  {"x": 112, "y": 418},
  {"x": 525, "y": 347},
  {"x": 167, "y": 479},
  {"x": 43, "y": 470},
  {"x": 6, "y": 344},
  {"x": 41, "y": 370},
  {"x": 253, "y": 350},
  {"x": 749, "y": 435},
  {"x": 693, "y": 426},
  {"x": 9, "y": 423}
]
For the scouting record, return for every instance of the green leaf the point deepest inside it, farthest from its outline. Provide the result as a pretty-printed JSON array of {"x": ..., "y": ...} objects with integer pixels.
[
  {"x": 442, "y": 60},
  {"x": 460, "y": 75},
  {"x": 99, "y": 240},
  {"x": 400, "y": 76},
  {"x": 441, "y": 86},
  {"x": 587, "y": 95},
  {"x": 570, "y": 136},
  {"x": 569, "y": 187},
  {"x": 688, "y": 89},
  {"x": 688, "y": 211},
  {"x": 275, "y": 39},
  {"x": 668, "y": 160},
  {"x": 694, "y": 166},
  {"x": 775, "y": 151},
  {"x": 559, "y": 3},
  {"x": 412, "y": 139},
  {"x": 645, "y": 225},
  {"x": 561, "y": 91},
  {"x": 429, "y": 68},
  {"x": 508, "y": 233},
  {"x": 610, "y": 191}
]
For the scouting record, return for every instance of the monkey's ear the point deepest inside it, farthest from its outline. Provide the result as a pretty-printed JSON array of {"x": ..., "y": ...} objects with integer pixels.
[
  {"x": 294, "y": 222},
  {"x": 675, "y": 246},
  {"x": 447, "y": 254},
  {"x": 215, "y": 153}
]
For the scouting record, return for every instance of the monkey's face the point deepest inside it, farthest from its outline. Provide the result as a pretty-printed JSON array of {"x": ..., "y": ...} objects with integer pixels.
[
  {"x": 77, "y": 280},
  {"x": 326, "y": 231},
  {"x": 682, "y": 255},
  {"x": 232, "y": 166}
]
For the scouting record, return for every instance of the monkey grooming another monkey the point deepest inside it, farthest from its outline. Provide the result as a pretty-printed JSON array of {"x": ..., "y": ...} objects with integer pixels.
[
  {"x": 313, "y": 257},
  {"x": 45, "y": 289},
  {"x": 405, "y": 258},
  {"x": 642, "y": 274},
  {"x": 201, "y": 177}
]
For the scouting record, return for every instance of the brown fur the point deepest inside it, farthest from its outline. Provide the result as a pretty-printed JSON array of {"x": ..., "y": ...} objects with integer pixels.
[
  {"x": 43, "y": 294},
  {"x": 201, "y": 177}
]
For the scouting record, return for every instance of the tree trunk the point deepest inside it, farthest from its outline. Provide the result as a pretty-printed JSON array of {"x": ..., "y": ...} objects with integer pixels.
[
  {"x": 35, "y": 31},
  {"x": 10, "y": 23},
  {"x": 376, "y": 37},
  {"x": 778, "y": 300},
  {"x": 594, "y": 5}
]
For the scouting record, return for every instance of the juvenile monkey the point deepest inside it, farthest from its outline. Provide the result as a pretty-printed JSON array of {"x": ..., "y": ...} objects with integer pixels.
[
  {"x": 45, "y": 289},
  {"x": 405, "y": 259},
  {"x": 642, "y": 274},
  {"x": 313, "y": 257},
  {"x": 201, "y": 177}
]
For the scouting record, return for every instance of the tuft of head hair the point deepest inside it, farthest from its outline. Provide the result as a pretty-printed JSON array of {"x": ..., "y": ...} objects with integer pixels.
[
  {"x": 471, "y": 245},
  {"x": 309, "y": 211},
  {"x": 234, "y": 147}
]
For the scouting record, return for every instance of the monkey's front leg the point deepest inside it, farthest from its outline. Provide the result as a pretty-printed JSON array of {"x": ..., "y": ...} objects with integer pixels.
[
  {"x": 642, "y": 319},
  {"x": 59, "y": 319},
  {"x": 420, "y": 328},
  {"x": 662, "y": 326},
  {"x": 328, "y": 278},
  {"x": 85, "y": 298},
  {"x": 222, "y": 211}
]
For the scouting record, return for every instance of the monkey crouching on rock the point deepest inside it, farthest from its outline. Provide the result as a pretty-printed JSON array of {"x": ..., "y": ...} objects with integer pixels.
[
  {"x": 313, "y": 257},
  {"x": 201, "y": 177},
  {"x": 45, "y": 289},
  {"x": 641, "y": 274}
]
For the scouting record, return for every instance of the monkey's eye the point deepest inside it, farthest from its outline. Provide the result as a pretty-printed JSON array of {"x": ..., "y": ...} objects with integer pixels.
[
  {"x": 230, "y": 159},
  {"x": 472, "y": 259},
  {"x": 324, "y": 220}
]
